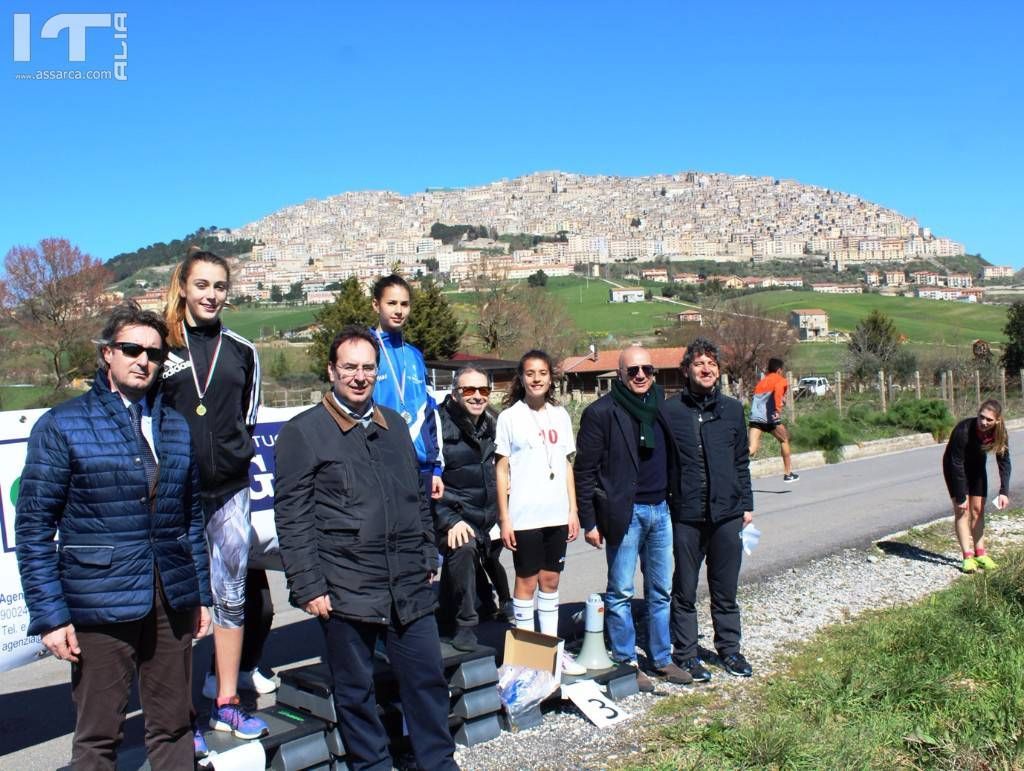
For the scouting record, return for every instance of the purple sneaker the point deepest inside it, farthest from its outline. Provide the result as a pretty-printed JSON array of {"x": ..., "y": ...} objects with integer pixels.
[
  {"x": 233, "y": 717},
  {"x": 199, "y": 743}
]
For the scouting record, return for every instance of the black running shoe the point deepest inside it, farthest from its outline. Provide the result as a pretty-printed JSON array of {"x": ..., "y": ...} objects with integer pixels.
[
  {"x": 696, "y": 669},
  {"x": 790, "y": 477},
  {"x": 736, "y": 664}
]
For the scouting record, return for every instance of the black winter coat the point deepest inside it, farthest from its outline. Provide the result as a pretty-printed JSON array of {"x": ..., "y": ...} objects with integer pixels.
[
  {"x": 352, "y": 519},
  {"x": 607, "y": 466},
  {"x": 710, "y": 435},
  {"x": 470, "y": 482}
]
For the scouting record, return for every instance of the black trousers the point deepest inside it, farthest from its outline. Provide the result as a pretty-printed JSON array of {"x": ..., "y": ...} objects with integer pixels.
[
  {"x": 720, "y": 545},
  {"x": 415, "y": 654},
  {"x": 459, "y": 577},
  {"x": 491, "y": 568},
  {"x": 159, "y": 648}
]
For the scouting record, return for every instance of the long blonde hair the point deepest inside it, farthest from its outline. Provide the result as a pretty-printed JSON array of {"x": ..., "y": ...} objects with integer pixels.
[
  {"x": 1000, "y": 443},
  {"x": 174, "y": 309}
]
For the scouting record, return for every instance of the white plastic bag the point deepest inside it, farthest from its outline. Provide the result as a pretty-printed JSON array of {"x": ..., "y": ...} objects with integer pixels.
[{"x": 522, "y": 688}]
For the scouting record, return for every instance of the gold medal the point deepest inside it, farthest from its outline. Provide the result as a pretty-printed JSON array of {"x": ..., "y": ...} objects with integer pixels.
[{"x": 201, "y": 409}]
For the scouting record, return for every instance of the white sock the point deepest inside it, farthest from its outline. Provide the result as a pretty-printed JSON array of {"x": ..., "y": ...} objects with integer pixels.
[
  {"x": 524, "y": 613},
  {"x": 547, "y": 611}
]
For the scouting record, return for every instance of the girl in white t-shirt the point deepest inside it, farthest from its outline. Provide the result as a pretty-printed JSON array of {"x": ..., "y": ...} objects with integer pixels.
[{"x": 536, "y": 492}]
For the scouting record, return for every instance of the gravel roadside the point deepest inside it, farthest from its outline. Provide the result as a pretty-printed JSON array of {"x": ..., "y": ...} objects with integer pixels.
[{"x": 778, "y": 612}]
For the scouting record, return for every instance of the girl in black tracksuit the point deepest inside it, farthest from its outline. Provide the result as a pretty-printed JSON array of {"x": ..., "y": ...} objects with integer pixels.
[
  {"x": 212, "y": 377},
  {"x": 963, "y": 467}
]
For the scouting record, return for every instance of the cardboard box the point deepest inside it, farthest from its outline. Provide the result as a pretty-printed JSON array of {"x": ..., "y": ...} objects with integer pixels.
[{"x": 534, "y": 650}]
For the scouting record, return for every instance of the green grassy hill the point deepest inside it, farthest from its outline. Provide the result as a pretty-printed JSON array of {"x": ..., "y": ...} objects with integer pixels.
[
  {"x": 922, "y": 321},
  {"x": 587, "y": 304}
]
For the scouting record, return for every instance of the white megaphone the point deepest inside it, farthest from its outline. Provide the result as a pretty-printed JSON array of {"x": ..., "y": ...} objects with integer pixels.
[{"x": 593, "y": 654}]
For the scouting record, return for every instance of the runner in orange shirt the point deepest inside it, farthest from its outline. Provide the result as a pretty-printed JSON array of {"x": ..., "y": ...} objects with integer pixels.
[{"x": 766, "y": 414}]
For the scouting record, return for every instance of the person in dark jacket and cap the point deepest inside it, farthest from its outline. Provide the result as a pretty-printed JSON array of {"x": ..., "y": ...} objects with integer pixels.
[
  {"x": 467, "y": 510},
  {"x": 711, "y": 503},
  {"x": 126, "y": 585},
  {"x": 357, "y": 543}
]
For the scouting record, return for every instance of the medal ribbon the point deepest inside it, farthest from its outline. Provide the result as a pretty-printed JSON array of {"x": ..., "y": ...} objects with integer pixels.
[
  {"x": 213, "y": 362},
  {"x": 399, "y": 384}
]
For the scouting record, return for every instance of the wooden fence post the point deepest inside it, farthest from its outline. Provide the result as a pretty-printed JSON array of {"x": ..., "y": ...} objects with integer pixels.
[
  {"x": 1002, "y": 386},
  {"x": 792, "y": 397},
  {"x": 917, "y": 383},
  {"x": 839, "y": 393},
  {"x": 977, "y": 387},
  {"x": 881, "y": 389},
  {"x": 952, "y": 392}
]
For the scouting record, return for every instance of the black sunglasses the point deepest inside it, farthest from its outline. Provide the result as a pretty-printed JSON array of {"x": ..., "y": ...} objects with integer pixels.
[
  {"x": 633, "y": 371},
  {"x": 470, "y": 390},
  {"x": 134, "y": 351}
]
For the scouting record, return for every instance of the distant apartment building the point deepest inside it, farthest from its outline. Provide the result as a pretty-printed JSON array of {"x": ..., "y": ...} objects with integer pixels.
[
  {"x": 895, "y": 277},
  {"x": 926, "y": 278},
  {"x": 950, "y": 294},
  {"x": 810, "y": 323},
  {"x": 838, "y": 288},
  {"x": 626, "y": 295},
  {"x": 960, "y": 280},
  {"x": 872, "y": 278},
  {"x": 997, "y": 271},
  {"x": 659, "y": 275}
]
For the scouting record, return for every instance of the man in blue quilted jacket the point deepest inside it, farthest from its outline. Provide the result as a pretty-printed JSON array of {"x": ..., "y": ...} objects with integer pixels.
[{"x": 125, "y": 586}]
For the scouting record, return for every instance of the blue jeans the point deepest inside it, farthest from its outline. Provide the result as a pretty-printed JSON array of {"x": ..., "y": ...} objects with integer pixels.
[{"x": 648, "y": 538}]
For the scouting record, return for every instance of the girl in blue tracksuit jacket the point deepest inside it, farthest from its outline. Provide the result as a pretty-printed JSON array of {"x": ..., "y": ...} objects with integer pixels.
[{"x": 402, "y": 378}]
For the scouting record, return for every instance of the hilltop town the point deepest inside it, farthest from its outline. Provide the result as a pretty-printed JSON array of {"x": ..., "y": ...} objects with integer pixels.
[{"x": 581, "y": 219}]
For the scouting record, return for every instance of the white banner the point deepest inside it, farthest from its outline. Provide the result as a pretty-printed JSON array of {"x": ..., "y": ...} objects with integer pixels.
[{"x": 15, "y": 647}]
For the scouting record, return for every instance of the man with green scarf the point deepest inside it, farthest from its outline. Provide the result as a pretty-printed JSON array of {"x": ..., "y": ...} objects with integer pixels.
[{"x": 623, "y": 452}]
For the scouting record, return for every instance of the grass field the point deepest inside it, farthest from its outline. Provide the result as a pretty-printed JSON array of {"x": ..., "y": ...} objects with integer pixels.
[
  {"x": 587, "y": 304},
  {"x": 19, "y": 398},
  {"x": 935, "y": 685},
  {"x": 922, "y": 321},
  {"x": 248, "y": 322}
]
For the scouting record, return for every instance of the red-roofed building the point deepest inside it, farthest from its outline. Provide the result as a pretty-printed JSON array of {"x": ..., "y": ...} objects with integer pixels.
[{"x": 595, "y": 372}]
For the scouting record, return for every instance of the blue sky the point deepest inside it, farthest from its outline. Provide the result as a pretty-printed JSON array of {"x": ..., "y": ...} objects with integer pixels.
[{"x": 232, "y": 112}]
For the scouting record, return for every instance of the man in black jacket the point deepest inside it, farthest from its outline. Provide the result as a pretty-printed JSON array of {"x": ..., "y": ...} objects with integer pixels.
[
  {"x": 711, "y": 502},
  {"x": 622, "y": 490},
  {"x": 467, "y": 510},
  {"x": 357, "y": 543}
]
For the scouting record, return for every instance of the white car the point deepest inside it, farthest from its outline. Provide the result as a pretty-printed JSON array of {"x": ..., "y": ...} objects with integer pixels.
[{"x": 813, "y": 386}]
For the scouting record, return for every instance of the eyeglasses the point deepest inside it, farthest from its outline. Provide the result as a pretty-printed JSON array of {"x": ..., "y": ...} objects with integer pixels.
[
  {"x": 349, "y": 371},
  {"x": 636, "y": 369},
  {"x": 134, "y": 351},
  {"x": 470, "y": 390}
]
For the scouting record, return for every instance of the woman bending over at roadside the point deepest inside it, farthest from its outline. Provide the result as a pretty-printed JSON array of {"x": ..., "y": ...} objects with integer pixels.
[{"x": 963, "y": 466}]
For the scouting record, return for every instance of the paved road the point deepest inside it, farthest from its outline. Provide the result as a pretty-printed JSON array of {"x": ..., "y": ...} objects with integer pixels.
[{"x": 827, "y": 510}]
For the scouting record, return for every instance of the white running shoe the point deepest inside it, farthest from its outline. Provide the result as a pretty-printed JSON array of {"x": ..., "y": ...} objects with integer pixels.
[
  {"x": 571, "y": 667},
  {"x": 256, "y": 681}
]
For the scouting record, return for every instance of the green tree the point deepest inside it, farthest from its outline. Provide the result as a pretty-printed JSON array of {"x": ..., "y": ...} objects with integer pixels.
[
  {"x": 350, "y": 306},
  {"x": 1013, "y": 353},
  {"x": 433, "y": 326},
  {"x": 876, "y": 344},
  {"x": 538, "y": 279},
  {"x": 276, "y": 295},
  {"x": 278, "y": 366},
  {"x": 295, "y": 293}
]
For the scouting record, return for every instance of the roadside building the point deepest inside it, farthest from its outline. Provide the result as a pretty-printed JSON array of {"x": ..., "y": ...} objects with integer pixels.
[{"x": 810, "y": 323}]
